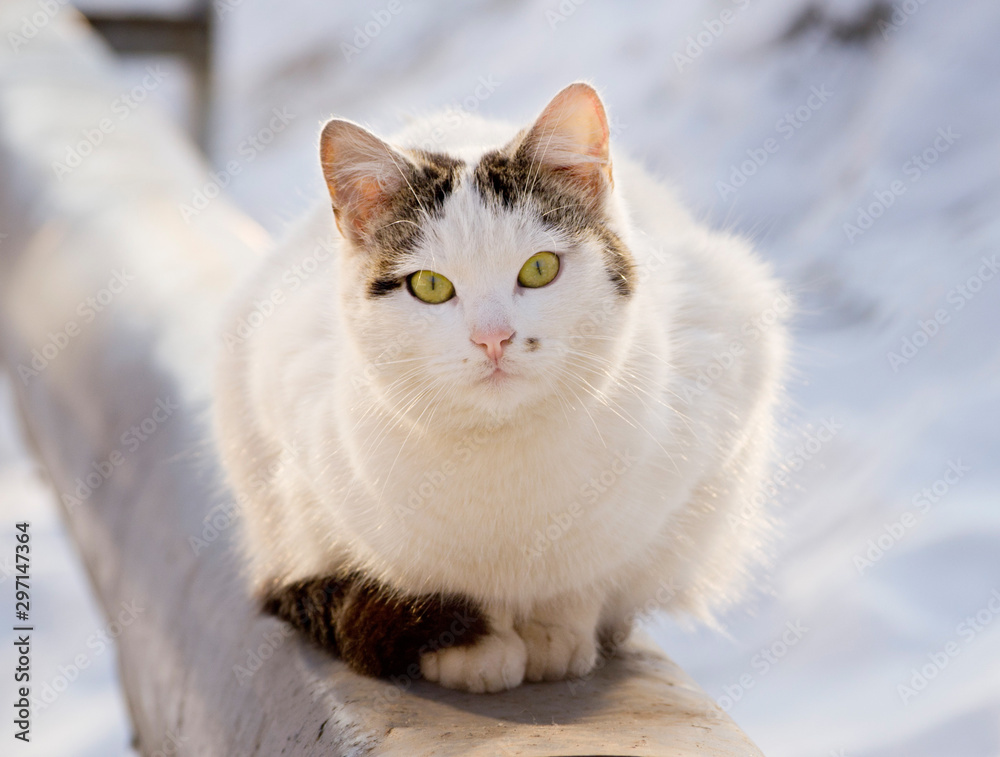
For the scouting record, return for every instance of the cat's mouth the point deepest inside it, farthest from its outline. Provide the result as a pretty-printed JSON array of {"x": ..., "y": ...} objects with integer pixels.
[{"x": 497, "y": 376}]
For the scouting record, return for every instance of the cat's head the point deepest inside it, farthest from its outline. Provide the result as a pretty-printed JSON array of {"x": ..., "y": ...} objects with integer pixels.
[{"x": 484, "y": 287}]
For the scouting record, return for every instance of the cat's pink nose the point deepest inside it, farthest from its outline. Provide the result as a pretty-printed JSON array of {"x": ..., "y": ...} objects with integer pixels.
[{"x": 493, "y": 341}]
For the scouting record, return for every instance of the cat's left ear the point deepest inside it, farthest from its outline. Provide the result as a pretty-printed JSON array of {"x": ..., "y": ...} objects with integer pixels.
[
  {"x": 363, "y": 174},
  {"x": 571, "y": 139}
]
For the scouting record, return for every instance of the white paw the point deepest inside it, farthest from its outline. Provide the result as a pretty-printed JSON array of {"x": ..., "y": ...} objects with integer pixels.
[
  {"x": 556, "y": 652},
  {"x": 494, "y": 663}
]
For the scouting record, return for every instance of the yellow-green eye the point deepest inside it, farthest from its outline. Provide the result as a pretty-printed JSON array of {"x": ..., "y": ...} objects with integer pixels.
[
  {"x": 431, "y": 287},
  {"x": 540, "y": 269}
]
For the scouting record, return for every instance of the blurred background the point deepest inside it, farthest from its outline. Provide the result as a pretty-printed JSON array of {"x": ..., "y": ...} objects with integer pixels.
[{"x": 855, "y": 141}]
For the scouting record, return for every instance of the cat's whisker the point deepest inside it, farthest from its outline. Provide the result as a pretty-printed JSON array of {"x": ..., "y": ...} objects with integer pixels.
[
  {"x": 394, "y": 407},
  {"x": 373, "y": 444},
  {"x": 633, "y": 386},
  {"x": 554, "y": 210},
  {"x": 401, "y": 220},
  {"x": 384, "y": 363},
  {"x": 403, "y": 176},
  {"x": 616, "y": 407},
  {"x": 662, "y": 387},
  {"x": 402, "y": 382},
  {"x": 415, "y": 425},
  {"x": 583, "y": 406}
]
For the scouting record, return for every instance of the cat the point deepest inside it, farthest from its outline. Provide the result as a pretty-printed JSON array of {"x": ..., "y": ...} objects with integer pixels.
[{"x": 517, "y": 396}]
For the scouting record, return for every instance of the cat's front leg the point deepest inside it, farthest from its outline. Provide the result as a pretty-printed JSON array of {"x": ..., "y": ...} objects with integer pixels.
[
  {"x": 495, "y": 662},
  {"x": 561, "y": 638}
]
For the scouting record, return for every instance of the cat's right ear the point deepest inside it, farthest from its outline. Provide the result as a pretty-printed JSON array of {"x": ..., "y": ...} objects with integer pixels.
[
  {"x": 363, "y": 174},
  {"x": 571, "y": 139}
]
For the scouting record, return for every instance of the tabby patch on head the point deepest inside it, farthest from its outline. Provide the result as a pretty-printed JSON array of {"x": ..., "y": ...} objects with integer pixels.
[
  {"x": 562, "y": 167},
  {"x": 381, "y": 195}
]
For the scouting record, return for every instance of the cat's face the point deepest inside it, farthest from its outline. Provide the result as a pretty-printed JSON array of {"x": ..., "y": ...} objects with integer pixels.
[{"x": 478, "y": 288}]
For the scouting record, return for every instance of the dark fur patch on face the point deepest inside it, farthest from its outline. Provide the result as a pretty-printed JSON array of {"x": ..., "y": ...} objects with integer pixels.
[
  {"x": 378, "y": 287},
  {"x": 376, "y": 631},
  {"x": 430, "y": 178},
  {"x": 532, "y": 343},
  {"x": 510, "y": 178}
]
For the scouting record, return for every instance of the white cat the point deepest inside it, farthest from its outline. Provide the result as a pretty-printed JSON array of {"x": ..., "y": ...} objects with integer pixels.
[{"x": 525, "y": 395}]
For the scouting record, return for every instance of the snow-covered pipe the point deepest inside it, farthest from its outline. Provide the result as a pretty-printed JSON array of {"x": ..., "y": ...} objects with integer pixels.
[{"x": 107, "y": 292}]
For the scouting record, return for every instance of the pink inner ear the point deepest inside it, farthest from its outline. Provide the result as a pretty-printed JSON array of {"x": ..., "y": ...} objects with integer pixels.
[
  {"x": 369, "y": 198},
  {"x": 572, "y": 137},
  {"x": 362, "y": 172},
  {"x": 577, "y": 115},
  {"x": 589, "y": 123}
]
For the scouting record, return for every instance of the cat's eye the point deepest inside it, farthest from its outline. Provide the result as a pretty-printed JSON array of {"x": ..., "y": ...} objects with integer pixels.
[
  {"x": 431, "y": 287},
  {"x": 539, "y": 270}
]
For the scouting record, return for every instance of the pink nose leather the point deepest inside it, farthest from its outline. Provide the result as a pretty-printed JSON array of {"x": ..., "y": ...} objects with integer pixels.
[{"x": 493, "y": 341}]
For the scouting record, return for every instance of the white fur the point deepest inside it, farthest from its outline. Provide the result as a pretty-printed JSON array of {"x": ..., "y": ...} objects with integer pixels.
[{"x": 335, "y": 411}]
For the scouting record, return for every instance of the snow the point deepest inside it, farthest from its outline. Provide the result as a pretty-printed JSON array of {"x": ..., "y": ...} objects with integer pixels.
[{"x": 852, "y": 635}]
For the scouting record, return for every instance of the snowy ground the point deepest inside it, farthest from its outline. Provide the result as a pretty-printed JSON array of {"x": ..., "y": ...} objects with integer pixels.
[{"x": 879, "y": 630}]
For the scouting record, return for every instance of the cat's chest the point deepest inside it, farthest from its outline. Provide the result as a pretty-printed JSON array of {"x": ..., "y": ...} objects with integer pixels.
[{"x": 522, "y": 502}]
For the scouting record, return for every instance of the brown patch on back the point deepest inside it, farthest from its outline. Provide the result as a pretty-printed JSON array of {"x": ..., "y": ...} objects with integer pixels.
[
  {"x": 509, "y": 178},
  {"x": 376, "y": 631}
]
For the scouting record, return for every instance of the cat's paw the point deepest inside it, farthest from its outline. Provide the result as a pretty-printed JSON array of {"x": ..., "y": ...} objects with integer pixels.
[
  {"x": 556, "y": 651},
  {"x": 494, "y": 663}
]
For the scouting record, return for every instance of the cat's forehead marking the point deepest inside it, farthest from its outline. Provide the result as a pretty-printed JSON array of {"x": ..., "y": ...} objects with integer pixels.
[
  {"x": 502, "y": 179},
  {"x": 509, "y": 180},
  {"x": 430, "y": 180}
]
